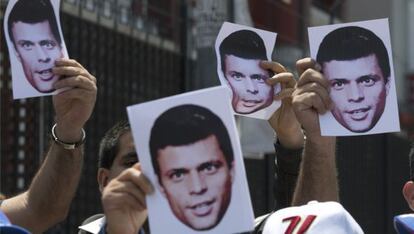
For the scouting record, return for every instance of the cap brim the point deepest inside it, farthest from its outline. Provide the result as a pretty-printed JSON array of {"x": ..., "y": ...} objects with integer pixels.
[
  {"x": 12, "y": 229},
  {"x": 404, "y": 224}
]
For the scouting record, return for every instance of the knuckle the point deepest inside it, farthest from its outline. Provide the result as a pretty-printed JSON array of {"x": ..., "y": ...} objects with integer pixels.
[
  {"x": 78, "y": 78},
  {"x": 127, "y": 173},
  {"x": 312, "y": 95},
  {"x": 309, "y": 72},
  {"x": 313, "y": 85},
  {"x": 299, "y": 63}
]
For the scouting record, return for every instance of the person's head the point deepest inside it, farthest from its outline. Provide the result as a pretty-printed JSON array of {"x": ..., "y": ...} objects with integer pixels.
[
  {"x": 34, "y": 32},
  {"x": 408, "y": 189},
  {"x": 240, "y": 55},
  {"x": 192, "y": 156},
  {"x": 116, "y": 153},
  {"x": 356, "y": 63}
]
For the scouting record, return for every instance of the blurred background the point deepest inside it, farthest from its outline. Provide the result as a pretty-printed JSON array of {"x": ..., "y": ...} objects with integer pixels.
[{"x": 141, "y": 50}]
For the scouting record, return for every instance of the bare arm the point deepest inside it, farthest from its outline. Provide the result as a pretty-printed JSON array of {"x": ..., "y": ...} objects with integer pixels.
[
  {"x": 317, "y": 177},
  {"x": 48, "y": 198},
  {"x": 289, "y": 135}
]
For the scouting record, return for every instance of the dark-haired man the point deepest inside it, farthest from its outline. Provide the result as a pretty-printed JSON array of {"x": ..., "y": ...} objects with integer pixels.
[
  {"x": 404, "y": 223},
  {"x": 124, "y": 189},
  {"x": 355, "y": 62},
  {"x": 240, "y": 54},
  {"x": 34, "y": 32}
]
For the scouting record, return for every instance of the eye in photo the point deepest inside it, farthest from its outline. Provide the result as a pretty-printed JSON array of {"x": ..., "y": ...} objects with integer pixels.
[
  {"x": 239, "y": 50},
  {"x": 356, "y": 60},
  {"x": 189, "y": 148},
  {"x": 35, "y": 41}
]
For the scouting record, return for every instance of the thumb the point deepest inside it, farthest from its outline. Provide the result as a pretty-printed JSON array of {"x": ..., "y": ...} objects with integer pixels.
[{"x": 137, "y": 166}]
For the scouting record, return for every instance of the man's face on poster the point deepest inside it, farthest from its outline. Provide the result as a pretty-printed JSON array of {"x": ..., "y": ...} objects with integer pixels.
[
  {"x": 37, "y": 49},
  {"x": 358, "y": 90},
  {"x": 247, "y": 82},
  {"x": 197, "y": 181}
]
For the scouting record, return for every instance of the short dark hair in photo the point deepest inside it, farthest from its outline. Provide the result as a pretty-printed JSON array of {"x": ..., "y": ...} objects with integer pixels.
[
  {"x": 32, "y": 12},
  {"x": 187, "y": 124},
  {"x": 353, "y": 42},
  {"x": 245, "y": 44}
]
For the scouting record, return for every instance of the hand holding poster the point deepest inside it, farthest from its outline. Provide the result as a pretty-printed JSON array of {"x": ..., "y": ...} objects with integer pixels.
[
  {"x": 35, "y": 42},
  {"x": 189, "y": 149},
  {"x": 239, "y": 50}
]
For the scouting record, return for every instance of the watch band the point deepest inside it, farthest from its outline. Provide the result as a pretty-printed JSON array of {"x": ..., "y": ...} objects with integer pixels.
[{"x": 67, "y": 145}]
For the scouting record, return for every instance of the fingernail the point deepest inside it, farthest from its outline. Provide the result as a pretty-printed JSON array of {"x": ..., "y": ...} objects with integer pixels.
[{"x": 318, "y": 67}]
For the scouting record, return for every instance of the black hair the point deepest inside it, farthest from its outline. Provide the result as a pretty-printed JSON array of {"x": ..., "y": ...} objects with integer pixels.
[
  {"x": 245, "y": 44},
  {"x": 109, "y": 146},
  {"x": 187, "y": 124},
  {"x": 32, "y": 12},
  {"x": 353, "y": 42}
]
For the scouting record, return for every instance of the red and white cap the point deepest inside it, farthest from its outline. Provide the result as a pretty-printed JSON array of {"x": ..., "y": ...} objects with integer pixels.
[{"x": 313, "y": 218}]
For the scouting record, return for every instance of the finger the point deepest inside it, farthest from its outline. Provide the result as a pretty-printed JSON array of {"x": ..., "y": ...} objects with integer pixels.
[
  {"x": 76, "y": 93},
  {"x": 120, "y": 199},
  {"x": 128, "y": 187},
  {"x": 69, "y": 71},
  {"x": 68, "y": 62},
  {"x": 317, "y": 89},
  {"x": 138, "y": 178},
  {"x": 285, "y": 93},
  {"x": 309, "y": 100},
  {"x": 285, "y": 78},
  {"x": 123, "y": 193},
  {"x": 310, "y": 76},
  {"x": 306, "y": 63},
  {"x": 274, "y": 66},
  {"x": 75, "y": 81}
]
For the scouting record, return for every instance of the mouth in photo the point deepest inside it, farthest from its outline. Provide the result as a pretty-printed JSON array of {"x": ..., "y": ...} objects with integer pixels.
[
  {"x": 359, "y": 114},
  {"x": 202, "y": 209},
  {"x": 251, "y": 103},
  {"x": 46, "y": 74}
]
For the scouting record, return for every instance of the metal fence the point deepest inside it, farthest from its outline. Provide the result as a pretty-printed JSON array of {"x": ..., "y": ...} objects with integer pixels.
[{"x": 132, "y": 65}]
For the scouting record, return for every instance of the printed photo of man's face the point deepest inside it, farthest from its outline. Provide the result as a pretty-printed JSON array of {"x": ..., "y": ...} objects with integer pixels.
[
  {"x": 33, "y": 30},
  {"x": 355, "y": 62},
  {"x": 240, "y": 54},
  {"x": 359, "y": 93},
  {"x": 194, "y": 165},
  {"x": 247, "y": 81},
  {"x": 196, "y": 181}
]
